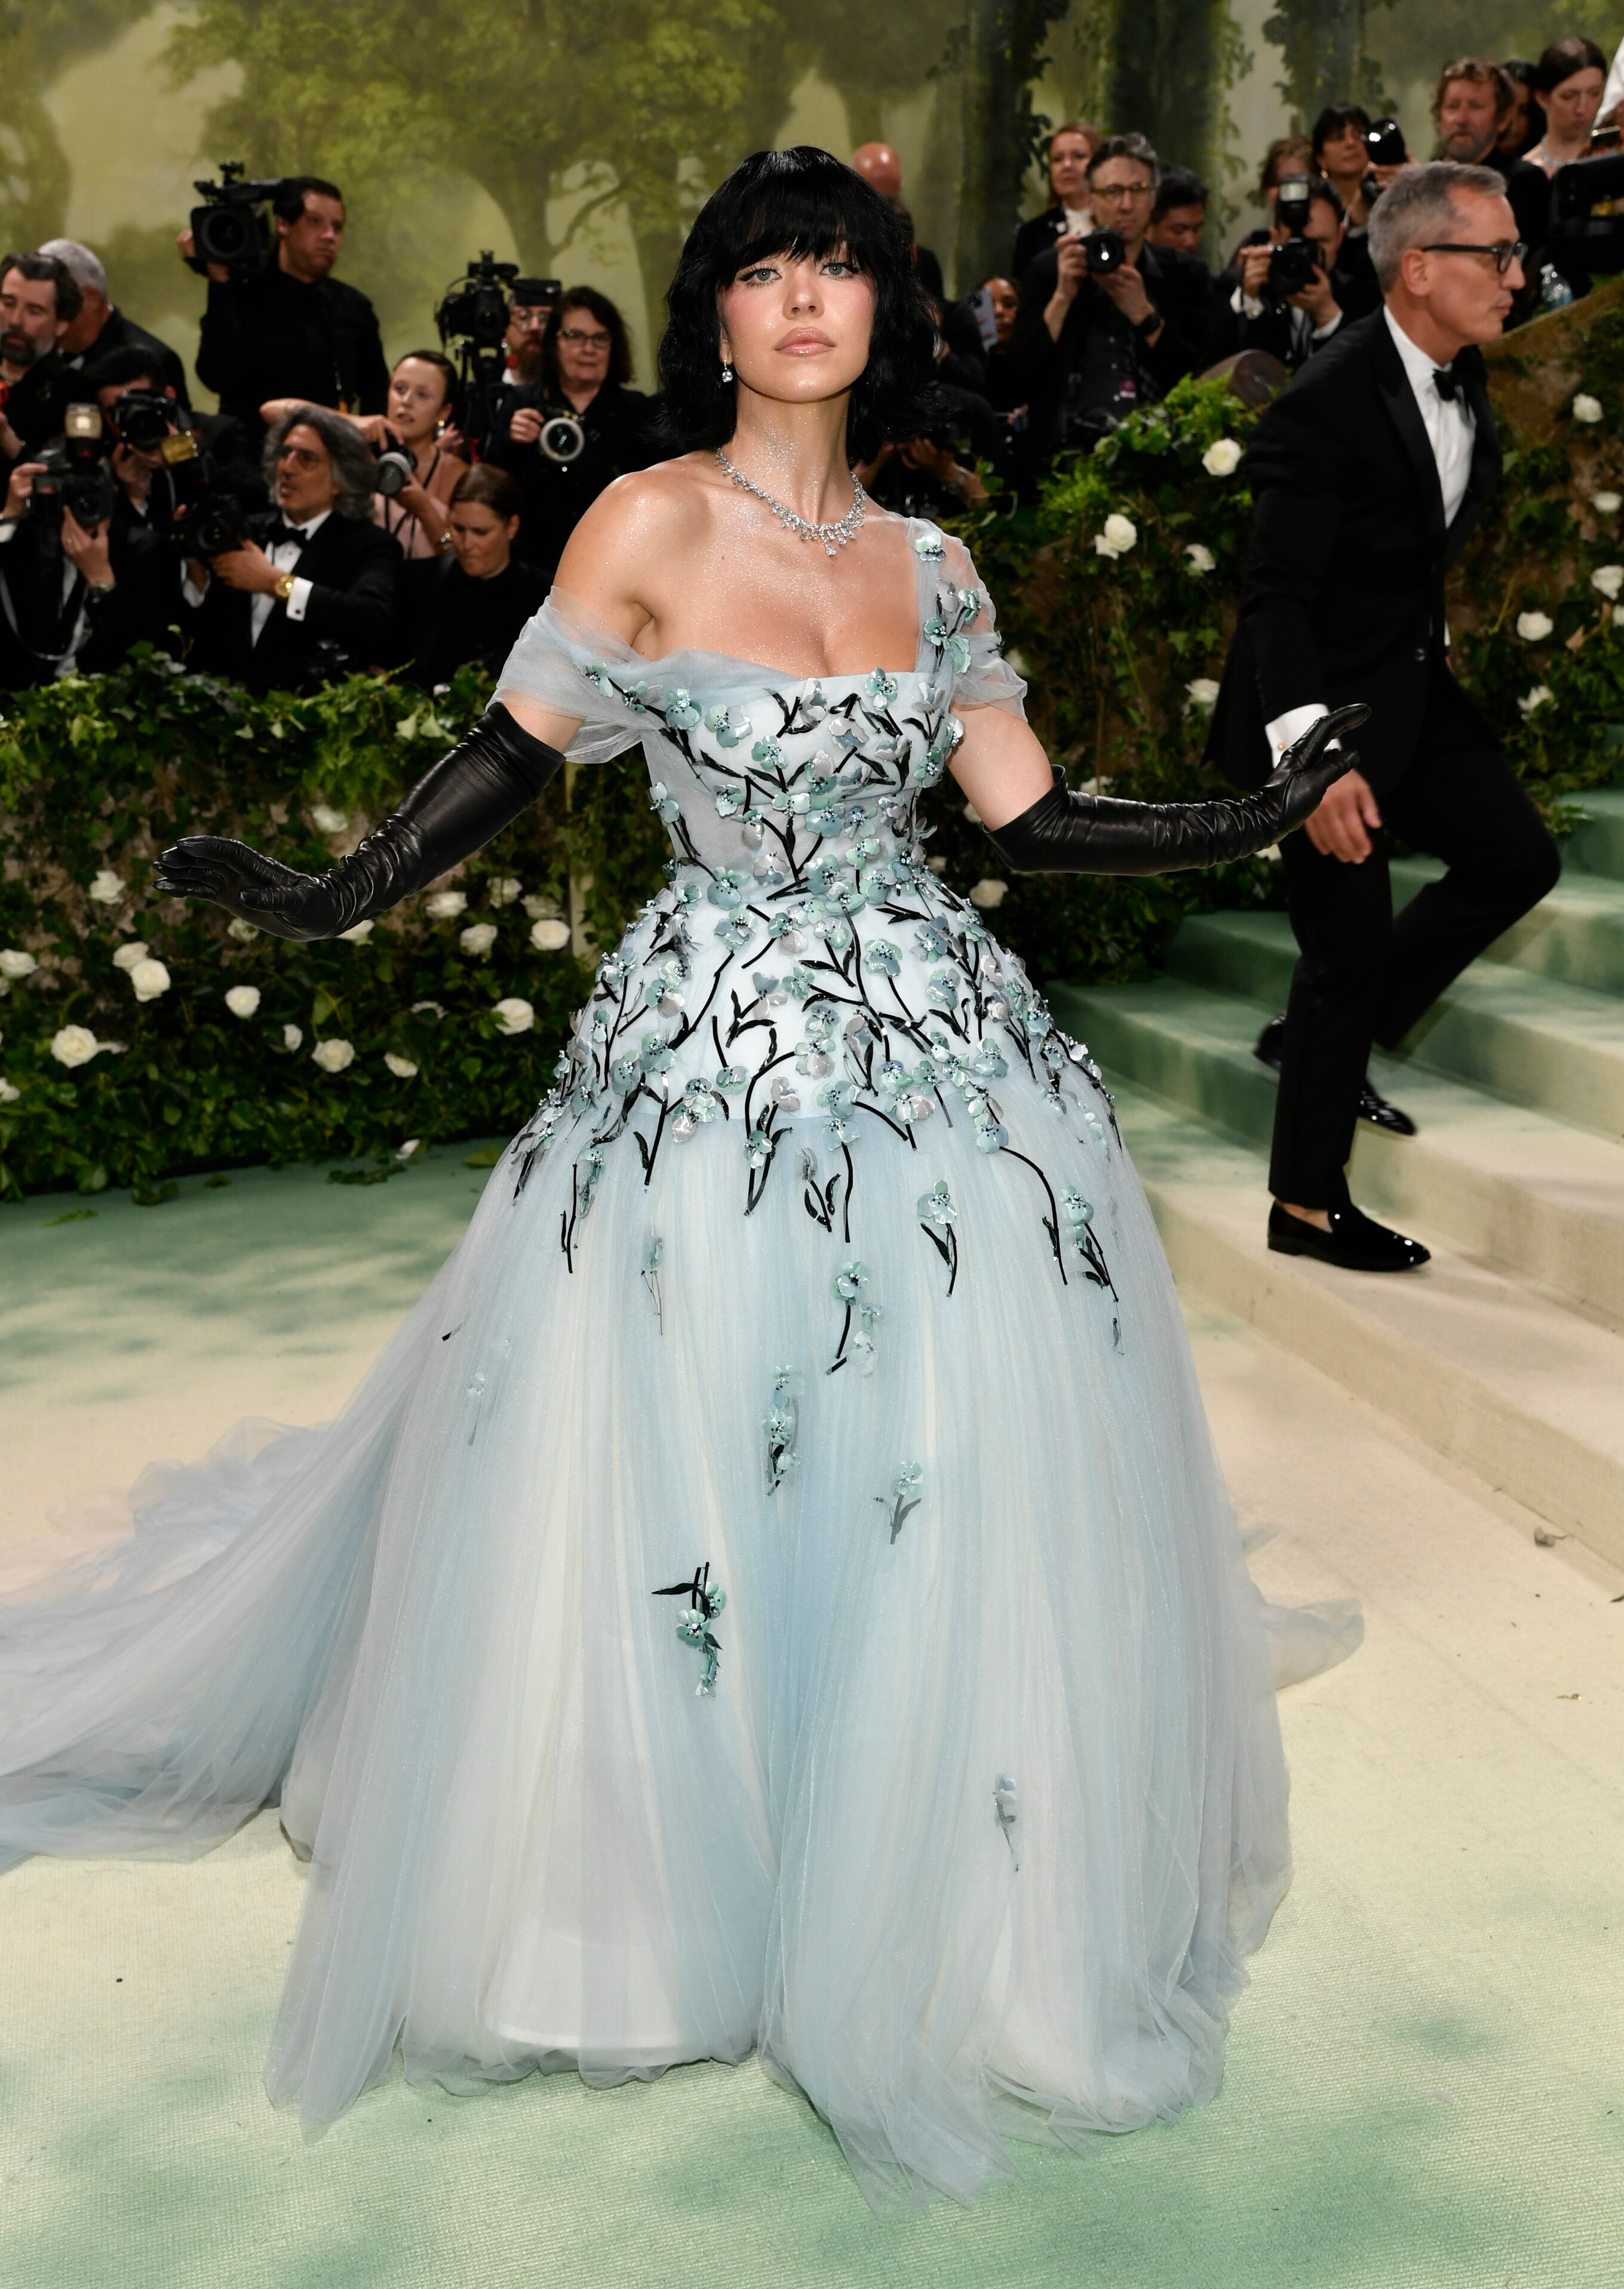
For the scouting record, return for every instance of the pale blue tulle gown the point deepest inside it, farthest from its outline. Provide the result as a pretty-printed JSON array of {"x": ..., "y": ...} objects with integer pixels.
[{"x": 776, "y": 1591}]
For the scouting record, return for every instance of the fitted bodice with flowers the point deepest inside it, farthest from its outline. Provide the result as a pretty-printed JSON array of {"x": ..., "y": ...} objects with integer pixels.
[{"x": 804, "y": 965}]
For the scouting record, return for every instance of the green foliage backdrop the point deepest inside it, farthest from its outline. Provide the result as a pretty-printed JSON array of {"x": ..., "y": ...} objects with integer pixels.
[{"x": 1116, "y": 593}]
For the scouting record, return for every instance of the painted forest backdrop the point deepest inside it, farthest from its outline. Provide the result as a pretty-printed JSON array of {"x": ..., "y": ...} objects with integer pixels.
[{"x": 579, "y": 141}]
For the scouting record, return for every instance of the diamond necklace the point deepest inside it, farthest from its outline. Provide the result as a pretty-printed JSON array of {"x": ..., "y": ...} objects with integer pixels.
[{"x": 832, "y": 536}]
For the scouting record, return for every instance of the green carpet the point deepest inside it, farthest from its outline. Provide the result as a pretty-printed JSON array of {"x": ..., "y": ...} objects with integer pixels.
[{"x": 1425, "y": 2079}]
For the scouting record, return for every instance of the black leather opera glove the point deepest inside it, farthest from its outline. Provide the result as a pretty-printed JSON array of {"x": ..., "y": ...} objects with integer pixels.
[
  {"x": 458, "y": 804},
  {"x": 1066, "y": 832}
]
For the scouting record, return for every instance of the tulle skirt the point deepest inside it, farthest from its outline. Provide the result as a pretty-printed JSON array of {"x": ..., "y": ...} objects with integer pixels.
[{"x": 819, "y": 1630}]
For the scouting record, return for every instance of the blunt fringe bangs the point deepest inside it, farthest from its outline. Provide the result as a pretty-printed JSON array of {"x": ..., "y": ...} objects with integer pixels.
[{"x": 798, "y": 203}]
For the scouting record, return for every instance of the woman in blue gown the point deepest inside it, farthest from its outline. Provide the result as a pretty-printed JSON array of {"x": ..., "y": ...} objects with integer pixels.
[{"x": 775, "y": 1592}]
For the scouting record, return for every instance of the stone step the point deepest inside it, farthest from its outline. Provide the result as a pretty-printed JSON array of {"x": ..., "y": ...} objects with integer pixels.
[
  {"x": 1503, "y": 1381},
  {"x": 1535, "y": 1039},
  {"x": 1597, "y": 843},
  {"x": 1576, "y": 934},
  {"x": 1503, "y": 1183}
]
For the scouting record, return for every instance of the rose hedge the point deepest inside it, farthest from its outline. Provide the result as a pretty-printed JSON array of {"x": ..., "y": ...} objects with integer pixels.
[{"x": 142, "y": 1037}]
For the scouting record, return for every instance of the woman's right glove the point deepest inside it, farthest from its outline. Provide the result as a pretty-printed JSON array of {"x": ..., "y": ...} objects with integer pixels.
[
  {"x": 1067, "y": 831},
  {"x": 475, "y": 790}
]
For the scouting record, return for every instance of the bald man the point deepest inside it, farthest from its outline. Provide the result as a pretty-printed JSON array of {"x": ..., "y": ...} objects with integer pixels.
[{"x": 879, "y": 164}]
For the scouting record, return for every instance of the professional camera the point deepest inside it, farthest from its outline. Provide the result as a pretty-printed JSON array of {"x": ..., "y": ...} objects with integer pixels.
[
  {"x": 208, "y": 519},
  {"x": 1579, "y": 241},
  {"x": 73, "y": 474},
  {"x": 234, "y": 225},
  {"x": 396, "y": 468},
  {"x": 1105, "y": 250},
  {"x": 472, "y": 313},
  {"x": 142, "y": 418},
  {"x": 562, "y": 437},
  {"x": 1384, "y": 141},
  {"x": 1295, "y": 264}
]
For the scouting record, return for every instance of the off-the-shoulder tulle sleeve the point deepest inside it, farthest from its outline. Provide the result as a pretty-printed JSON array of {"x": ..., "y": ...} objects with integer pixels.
[
  {"x": 982, "y": 676},
  {"x": 567, "y": 659}
]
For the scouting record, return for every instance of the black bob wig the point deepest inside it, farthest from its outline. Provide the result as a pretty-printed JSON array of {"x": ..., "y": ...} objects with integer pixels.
[{"x": 797, "y": 202}]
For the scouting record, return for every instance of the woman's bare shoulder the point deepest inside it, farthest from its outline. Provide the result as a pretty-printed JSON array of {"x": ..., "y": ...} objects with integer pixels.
[{"x": 640, "y": 521}]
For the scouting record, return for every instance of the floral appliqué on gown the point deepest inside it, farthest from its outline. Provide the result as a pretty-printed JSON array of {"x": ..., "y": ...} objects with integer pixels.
[{"x": 775, "y": 1592}]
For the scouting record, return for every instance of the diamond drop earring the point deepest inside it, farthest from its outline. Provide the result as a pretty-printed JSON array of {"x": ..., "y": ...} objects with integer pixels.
[{"x": 726, "y": 375}]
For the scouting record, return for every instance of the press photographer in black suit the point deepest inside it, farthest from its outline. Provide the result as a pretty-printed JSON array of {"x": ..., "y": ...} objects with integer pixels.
[
  {"x": 294, "y": 331},
  {"x": 312, "y": 593},
  {"x": 1368, "y": 474},
  {"x": 1255, "y": 314}
]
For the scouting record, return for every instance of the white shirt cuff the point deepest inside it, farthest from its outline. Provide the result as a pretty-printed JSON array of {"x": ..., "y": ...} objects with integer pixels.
[
  {"x": 1245, "y": 305},
  {"x": 298, "y": 600},
  {"x": 189, "y": 589},
  {"x": 8, "y": 528},
  {"x": 1287, "y": 728},
  {"x": 1324, "y": 333}
]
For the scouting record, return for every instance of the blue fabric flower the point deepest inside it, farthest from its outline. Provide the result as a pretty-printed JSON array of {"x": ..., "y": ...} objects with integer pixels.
[
  {"x": 882, "y": 957},
  {"x": 728, "y": 887}
]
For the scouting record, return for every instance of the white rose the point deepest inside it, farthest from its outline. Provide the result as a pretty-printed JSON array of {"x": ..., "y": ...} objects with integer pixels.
[
  {"x": 358, "y": 933},
  {"x": 989, "y": 892},
  {"x": 1608, "y": 579},
  {"x": 1201, "y": 692},
  {"x": 549, "y": 937},
  {"x": 75, "y": 1044},
  {"x": 1119, "y": 534},
  {"x": 409, "y": 1150},
  {"x": 108, "y": 887},
  {"x": 1199, "y": 559},
  {"x": 241, "y": 931},
  {"x": 333, "y": 1056},
  {"x": 1222, "y": 458},
  {"x": 9, "y": 1092},
  {"x": 538, "y": 908},
  {"x": 513, "y": 1015},
  {"x": 242, "y": 1001},
  {"x": 126, "y": 957},
  {"x": 478, "y": 939},
  {"x": 402, "y": 1068},
  {"x": 149, "y": 978},
  {"x": 15, "y": 964},
  {"x": 291, "y": 1036},
  {"x": 1533, "y": 701},
  {"x": 504, "y": 889},
  {"x": 1533, "y": 627},
  {"x": 1606, "y": 504},
  {"x": 328, "y": 821},
  {"x": 1587, "y": 408},
  {"x": 446, "y": 905}
]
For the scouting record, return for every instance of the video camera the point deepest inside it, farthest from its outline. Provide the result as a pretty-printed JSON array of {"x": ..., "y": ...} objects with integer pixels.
[
  {"x": 473, "y": 314},
  {"x": 234, "y": 225},
  {"x": 1579, "y": 241},
  {"x": 1295, "y": 264},
  {"x": 73, "y": 472}
]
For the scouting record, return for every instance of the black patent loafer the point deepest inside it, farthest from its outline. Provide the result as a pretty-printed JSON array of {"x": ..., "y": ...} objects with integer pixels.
[
  {"x": 1372, "y": 1105},
  {"x": 1356, "y": 1242}
]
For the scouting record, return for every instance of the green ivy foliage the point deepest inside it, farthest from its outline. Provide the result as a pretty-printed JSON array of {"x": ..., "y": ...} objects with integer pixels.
[{"x": 1122, "y": 648}]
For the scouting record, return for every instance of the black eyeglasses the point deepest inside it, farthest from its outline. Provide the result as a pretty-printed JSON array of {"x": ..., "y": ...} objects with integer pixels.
[{"x": 1505, "y": 251}]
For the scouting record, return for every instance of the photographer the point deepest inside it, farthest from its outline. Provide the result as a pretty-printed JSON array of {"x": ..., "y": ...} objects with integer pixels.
[
  {"x": 100, "y": 328},
  {"x": 1107, "y": 321},
  {"x": 1178, "y": 220},
  {"x": 292, "y": 330},
  {"x": 310, "y": 593},
  {"x": 470, "y": 603},
  {"x": 421, "y": 426},
  {"x": 147, "y": 488},
  {"x": 77, "y": 589},
  {"x": 37, "y": 300},
  {"x": 1268, "y": 310},
  {"x": 576, "y": 429}
]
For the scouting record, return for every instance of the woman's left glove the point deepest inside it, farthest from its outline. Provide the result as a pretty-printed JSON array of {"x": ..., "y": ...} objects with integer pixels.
[
  {"x": 459, "y": 805},
  {"x": 1067, "y": 831}
]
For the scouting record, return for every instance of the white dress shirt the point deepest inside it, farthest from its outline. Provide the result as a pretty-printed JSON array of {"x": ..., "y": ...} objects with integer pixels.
[
  {"x": 284, "y": 555},
  {"x": 1451, "y": 428},
  {"x": 1306, "y": 336}
]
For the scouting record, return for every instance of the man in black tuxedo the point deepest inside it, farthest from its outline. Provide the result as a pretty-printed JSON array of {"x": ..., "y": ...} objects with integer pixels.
[
  {"x": 1368, "y": 474},
  {"x": 312, "y": 593}
]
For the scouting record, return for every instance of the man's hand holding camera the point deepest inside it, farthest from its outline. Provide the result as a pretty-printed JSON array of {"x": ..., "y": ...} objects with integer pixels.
[
  {"x": 1123, "y": 286},
  {"x": 247, "y": 567},
  {"x": 87, "y": 551},
  {"x": 1316, "y": 298}
]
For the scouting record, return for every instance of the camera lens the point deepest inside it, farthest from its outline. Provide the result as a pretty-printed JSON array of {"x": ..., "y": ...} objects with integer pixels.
[
  {"x": 225, "y": 234},
  {"x": 562, "y": 438},
  {"x": 1105, "y": 250}
]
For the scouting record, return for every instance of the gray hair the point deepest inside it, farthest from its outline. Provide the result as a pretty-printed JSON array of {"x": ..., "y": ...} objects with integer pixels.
[
  {"x": 353, "y": 463},
  {"x": 1419, "y": 204},
  {"x": 82, "y": 266}
]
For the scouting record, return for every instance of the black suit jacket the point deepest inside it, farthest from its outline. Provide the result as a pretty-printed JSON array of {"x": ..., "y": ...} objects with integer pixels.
[
  {"x": 275, "y": 336},
  {"x": 354, "y": 568},
  {"x": 1344, "y": 594},
  {"x": 447, "y": 619},
  {"x": 1180, "y": 289},
  {"x": 122, "y": 333},
  {"x": 1035, "y": 237}
]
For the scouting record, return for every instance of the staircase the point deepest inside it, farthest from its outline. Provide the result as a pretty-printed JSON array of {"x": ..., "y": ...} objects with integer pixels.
[{"x": 1505, "y": 1353}]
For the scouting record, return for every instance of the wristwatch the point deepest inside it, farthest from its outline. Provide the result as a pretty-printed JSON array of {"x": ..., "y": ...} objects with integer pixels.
[
  {"x": 1148, "y": 325},
  {"x": 284, "y": 586}
]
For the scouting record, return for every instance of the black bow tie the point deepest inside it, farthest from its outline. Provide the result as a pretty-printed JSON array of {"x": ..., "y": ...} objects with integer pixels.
[
  {"x": 282, "y": 530},
  {"x": 1448, "y": 384}
]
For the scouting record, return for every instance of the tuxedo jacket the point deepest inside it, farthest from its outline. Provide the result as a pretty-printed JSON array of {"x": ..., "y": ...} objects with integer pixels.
[
  {"x": 1344, "y": 594},
  {"x": 354, "y": 569}
]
